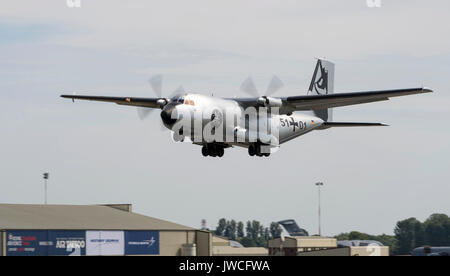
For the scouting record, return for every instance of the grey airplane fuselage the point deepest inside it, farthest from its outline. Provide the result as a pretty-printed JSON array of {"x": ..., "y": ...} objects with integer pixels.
[{"x": 237, "y": 122}]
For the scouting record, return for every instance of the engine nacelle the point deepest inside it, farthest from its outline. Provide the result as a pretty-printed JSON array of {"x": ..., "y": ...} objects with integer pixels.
[
  {"x": 162, "y": 102},
  {"x": 269, "y": 101}
]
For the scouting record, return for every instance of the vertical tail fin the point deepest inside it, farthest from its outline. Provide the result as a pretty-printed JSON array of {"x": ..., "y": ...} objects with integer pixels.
[{"x": 322, "y": 83}]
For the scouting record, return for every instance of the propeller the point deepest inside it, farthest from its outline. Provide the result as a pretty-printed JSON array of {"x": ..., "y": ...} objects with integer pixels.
[
  {"x": 156, "y": 84},
  {"x": 274, "y": 85},
  {"x": 248, "y": 86}
]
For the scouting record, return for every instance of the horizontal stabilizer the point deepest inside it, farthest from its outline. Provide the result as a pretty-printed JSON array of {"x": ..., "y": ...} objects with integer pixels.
[{"x": 349, "y": 124}]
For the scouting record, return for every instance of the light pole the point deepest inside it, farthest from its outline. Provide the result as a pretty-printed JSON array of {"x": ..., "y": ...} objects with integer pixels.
[
  {"x": 45, "y": 175},
  {"x": 319, "y": 184}
]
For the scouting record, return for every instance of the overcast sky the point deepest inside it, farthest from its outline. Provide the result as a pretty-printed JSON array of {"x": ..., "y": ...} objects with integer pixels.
[{"x": 102, "y": 153}]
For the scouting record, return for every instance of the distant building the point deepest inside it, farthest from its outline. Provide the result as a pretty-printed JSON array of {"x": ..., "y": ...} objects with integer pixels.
[
  {"x": 322, "y": 246},
  {"x": 222, "y": 246},
  {"x": 94, "y": 230}
]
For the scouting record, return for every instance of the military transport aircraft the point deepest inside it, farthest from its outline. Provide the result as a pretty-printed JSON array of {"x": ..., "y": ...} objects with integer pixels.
[{"x": 260, "y": 123}]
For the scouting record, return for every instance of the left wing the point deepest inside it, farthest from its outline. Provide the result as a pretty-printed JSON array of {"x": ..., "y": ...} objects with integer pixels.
[
  {"x": 142, "y": 102},
  {"x": 325, "y": 101}
]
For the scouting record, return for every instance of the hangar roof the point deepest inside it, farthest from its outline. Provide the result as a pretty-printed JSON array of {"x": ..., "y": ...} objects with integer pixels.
[{"x": 78, "y": 217}]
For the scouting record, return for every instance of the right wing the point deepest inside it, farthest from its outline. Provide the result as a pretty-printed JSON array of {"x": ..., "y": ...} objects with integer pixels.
[{"x": 142, "y": 102}]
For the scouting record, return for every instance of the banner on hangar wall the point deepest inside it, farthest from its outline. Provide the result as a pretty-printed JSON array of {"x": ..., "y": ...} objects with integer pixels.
[
  {"x": 45, "y": 242},
  {"x": 80, "y": 242},
  {"x": 105, "y": 243},
  {"x": 142, "y": 242}
]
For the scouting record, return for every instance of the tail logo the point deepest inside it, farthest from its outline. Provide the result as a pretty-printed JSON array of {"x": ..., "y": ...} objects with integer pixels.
[
  {"x": 319, "y": 84},
  {"x": 322, "y": 83}
]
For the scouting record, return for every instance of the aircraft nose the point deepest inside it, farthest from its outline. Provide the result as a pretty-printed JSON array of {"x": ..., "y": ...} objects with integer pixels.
[{"x": 167, "y": 115}]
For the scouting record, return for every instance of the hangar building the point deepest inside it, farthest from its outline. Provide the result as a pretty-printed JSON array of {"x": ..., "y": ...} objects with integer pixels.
[
  {"x": 321, "y": 246},
  {"x": 94, "y": 230}
]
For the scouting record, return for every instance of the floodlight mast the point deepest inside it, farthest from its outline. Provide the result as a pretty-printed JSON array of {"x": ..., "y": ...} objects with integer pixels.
[
  {"x": 45, "y": 176},
  {"x": 319, "y": 184}
]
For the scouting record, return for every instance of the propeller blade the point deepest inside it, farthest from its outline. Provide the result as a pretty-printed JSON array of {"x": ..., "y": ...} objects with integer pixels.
[
  {"x": 274, "y": 85},
  {"x": 248, "y": 86},
  {"x": 162, "y": 126},
  {"x": 156, "y": 83},
  {"x": 177, "y": 92},
  {"x": 143, "y": 112}
]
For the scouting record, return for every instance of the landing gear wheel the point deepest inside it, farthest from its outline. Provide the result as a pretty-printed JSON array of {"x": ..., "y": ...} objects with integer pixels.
[
  {"x": 205, "y": 151},
  {"x": 258, "y": 151},
  {"x": 252, "y": 150},
  {"x": 220, "y": 151},
  {"x": 212, "y": 150}
]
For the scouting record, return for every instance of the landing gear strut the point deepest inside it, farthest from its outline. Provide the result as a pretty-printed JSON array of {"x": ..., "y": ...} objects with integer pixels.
[
  {"x": 212, "y": 150},
  {"x": 255, "y": 149}
]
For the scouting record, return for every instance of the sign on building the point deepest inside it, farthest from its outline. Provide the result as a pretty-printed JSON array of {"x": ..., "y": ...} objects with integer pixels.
[
  {"x": 104, "y": 243},
  {"x": 27, "y": 243},
  {"x": 45, "y": 243},
  {"x": 67, "y": 243},
  {"x": 80, "y": 243},
  {"x": 141, "y": 242}
]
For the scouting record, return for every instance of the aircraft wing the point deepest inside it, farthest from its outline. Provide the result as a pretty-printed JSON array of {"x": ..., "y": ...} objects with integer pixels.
[
  {"x": 323, "y": 101},
  {"x": 142, "y": 102}
]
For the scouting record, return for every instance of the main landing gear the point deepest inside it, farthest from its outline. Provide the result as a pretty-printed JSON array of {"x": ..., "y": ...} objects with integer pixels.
[
  {"x": 213, "y": 150},
  {"x": 256, "y": 149}
]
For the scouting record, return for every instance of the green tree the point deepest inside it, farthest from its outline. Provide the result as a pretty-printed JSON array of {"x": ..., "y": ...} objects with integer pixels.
[
  {"x": 240, "y": 229},
  {"x": 386, "y": 240},
  {"x": 266, "y": 233},
  {"x": 221, "y": 227},
  {"x": 342, "y": 237},
  {"x": 253, "y": 229},
  {"x": 255, "y": 234},
  {"x": 233, "y": 228},
  {"x": 227, "y": 231},
  {"x": 275, "y": 230},
  {"x": 248, "y": 230},
  {"x": 261, "y": 231},
  {"x": 409, "y": 234},
  {"x": 355, "y": 235},
  {"x": 437, "y": 230},
  {"x": 247, "y": 242}
]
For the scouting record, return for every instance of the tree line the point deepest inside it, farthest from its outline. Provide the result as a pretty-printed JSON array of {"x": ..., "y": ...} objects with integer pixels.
[
  {"x": 408, "y": 234},
  {"x": 251, "y": 235}
]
